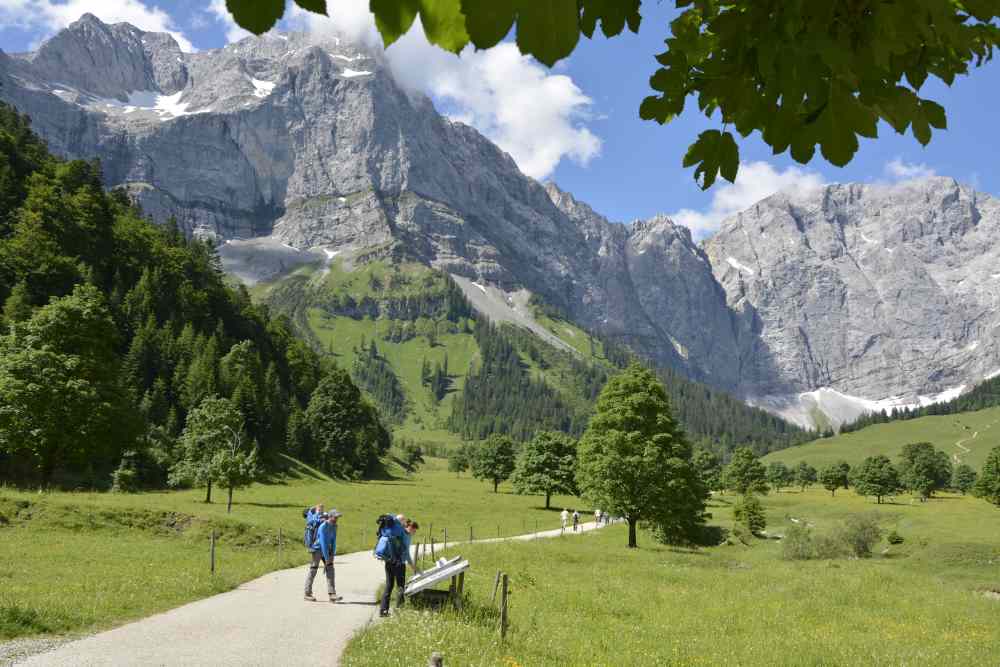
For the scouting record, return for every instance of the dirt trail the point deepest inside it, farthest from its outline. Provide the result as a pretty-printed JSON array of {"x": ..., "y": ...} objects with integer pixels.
[
  {"x": 262, "y": 622},
  {"x": 960, "y": 444}
]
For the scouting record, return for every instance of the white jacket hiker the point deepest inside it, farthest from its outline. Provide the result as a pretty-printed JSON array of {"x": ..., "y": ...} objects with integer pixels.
[{"x": 564, "y": 515}]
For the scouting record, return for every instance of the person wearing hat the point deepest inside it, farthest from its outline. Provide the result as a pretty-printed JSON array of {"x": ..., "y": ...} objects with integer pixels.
[{"x": 324, "y": 549}]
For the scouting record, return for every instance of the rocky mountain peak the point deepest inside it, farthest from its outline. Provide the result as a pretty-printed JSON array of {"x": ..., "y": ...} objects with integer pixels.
[{"x": 110, "y": 60}]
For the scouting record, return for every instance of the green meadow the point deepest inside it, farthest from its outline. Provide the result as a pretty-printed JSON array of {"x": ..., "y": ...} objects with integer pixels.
[
  {"x": 587, "y": 600},
  {"x": 975, "y": 432},
  {"x": 77, "y": 562}
]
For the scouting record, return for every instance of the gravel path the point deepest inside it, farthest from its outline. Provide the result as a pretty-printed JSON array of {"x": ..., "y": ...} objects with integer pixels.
[{"x": 262, "y": 622}]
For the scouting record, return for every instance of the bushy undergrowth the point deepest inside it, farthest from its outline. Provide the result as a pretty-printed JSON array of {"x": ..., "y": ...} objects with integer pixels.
[{"x": 854, "y": 537}]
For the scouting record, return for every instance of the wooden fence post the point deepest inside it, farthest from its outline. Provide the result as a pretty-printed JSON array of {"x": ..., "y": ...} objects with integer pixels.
[
  {"x": 211, "y": 550},
  {"x": 503, "y": 606},
  {"x": 433, "y": 557},
  {"x": 437, "y": 660},
  {"x": 498, "y": 531},
  {"x": 445, "y": 539},
  {"x": 279, "y": 545},
  {"x": 496, "y": 585},
  {"x": 470, "y": 533},
  {"x": 459, "y": 604}
]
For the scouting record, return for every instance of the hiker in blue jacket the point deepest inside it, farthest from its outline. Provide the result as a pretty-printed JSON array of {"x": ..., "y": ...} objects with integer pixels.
[
  {"x": 324, "y": 549},
  {"x": 395, "y": 565}
]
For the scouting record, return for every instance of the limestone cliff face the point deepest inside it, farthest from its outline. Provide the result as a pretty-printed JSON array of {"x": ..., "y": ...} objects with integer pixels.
[{"x": 871, "y": 291}]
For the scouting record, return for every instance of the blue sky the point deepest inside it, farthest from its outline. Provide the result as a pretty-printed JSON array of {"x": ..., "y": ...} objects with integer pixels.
[{"x": 578, "y": 124}]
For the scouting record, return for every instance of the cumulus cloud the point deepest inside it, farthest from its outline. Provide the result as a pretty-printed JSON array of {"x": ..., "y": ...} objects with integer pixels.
[
  {"x": 217, "y": 10},
  {"x": 755, "y": 181},
  {"x": 48, "y": 16},
  {"x": 536, "y": 116},
  {"x": 898, "y": 170}
]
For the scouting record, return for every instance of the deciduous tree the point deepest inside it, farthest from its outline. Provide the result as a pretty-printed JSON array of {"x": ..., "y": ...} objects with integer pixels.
[
  {"x": 832, "y": 477},
  {"x": 635, "y": 460},
  {"x": 805, "y": 475},
  {"x": 546, "y": 465},
  {"x": 924, "y": 469},
  {"x": 988, "y": 485},
  {"x": 778, "y": 475},
  {"x": 745, "y": 473},
  {"x": 876, "y": 477},
  {"x": 493, "y": 460},
  {"x": 964, "y": 478},
  {"x": 211, "y": 428},
  {"x": 61, "y": 400}
]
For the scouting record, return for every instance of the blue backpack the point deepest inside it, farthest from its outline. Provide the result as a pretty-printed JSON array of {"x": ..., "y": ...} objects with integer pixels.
[
  {"x": 313, "y": 521},
  {"x": 389, "y": 546}
]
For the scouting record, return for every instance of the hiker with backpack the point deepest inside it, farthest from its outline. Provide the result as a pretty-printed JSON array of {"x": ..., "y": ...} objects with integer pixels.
[
  {"x": 576, "y": 520},
  {"x": 393, "y": 548},
  {"x": 323, "y": 549}
]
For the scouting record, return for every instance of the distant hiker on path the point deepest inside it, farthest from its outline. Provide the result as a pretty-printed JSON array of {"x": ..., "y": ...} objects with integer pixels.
[
  {"x": 597, "y": 517},
  {"x": 324, "y": 549},
  {"x": 576, "y": 520},
  {"x": 564, "y": 515}
]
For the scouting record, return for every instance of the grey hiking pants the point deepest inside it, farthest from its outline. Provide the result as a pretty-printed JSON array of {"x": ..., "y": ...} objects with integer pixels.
[{"x": 331, "y": 585}]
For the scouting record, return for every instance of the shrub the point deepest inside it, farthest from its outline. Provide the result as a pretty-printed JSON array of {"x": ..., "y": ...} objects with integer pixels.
[
  {"x": 749, "y": 513},
  {"x": 125, "y": 478},
  {"x": 798, "y": 543},
  {"x": 894, "y": 538},
  {"x": 859, "y": 533}
]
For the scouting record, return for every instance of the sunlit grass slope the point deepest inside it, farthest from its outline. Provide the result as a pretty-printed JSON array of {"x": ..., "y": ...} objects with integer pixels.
[
  {"x": 590, "y": 601},
  {"x": 977, "y": 432},
  {"x": 82, "y": 561}
]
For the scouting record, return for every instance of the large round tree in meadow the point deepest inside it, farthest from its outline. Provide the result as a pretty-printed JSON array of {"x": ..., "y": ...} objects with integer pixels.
[{"x": 635, "y": 461}]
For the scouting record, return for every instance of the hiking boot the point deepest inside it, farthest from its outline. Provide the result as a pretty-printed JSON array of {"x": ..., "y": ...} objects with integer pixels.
[
  {"x": 336, "y": 598},
  {"x": 309, "y": 598},
  {"x": 383, "y": 614}
]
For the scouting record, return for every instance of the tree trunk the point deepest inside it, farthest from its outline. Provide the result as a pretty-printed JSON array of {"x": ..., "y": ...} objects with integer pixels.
[
  {"x": 632, "y": 543},
  {"x": 496, "y": 483},
  {"x": 548, "y": 496},
  {"x": 208, "y": 492},
  {"x": 229, "y": 505},
  {"x": 833, "y": 492}
]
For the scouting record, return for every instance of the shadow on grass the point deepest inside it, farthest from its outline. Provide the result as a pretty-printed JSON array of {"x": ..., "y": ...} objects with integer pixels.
[{"x": 270, "y": 505}]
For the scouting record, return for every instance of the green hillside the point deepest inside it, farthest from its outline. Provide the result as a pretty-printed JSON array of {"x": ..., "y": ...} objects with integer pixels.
[
  {"x": 974, "y": 432},
  {"x": 439, "y": 374}
]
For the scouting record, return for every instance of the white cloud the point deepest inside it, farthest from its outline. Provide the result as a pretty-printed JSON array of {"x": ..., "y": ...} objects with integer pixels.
[
  {"x": 49, "y": 16},
  {"x": 538, "y": 117},
  {"x": 234, "y": 33},
  {"x": 755, "y": 181},
  {"x": 898, "y": 170}
]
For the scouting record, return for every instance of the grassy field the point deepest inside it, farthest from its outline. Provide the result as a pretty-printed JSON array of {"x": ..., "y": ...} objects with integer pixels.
[
  {"x": 83, "y": 561},
  {"x": 888, "y": 439},
  {"x": 426, "y": 419},
  {"x": 590, "y": 601}
]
